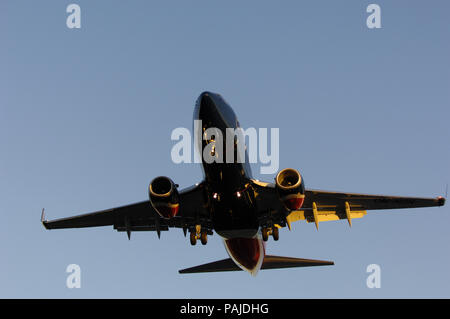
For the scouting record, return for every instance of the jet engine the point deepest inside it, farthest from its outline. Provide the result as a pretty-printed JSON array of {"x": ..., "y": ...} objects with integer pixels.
[
  {"x": 290, "y": 187},
  {"x": 164, "y": 196}
]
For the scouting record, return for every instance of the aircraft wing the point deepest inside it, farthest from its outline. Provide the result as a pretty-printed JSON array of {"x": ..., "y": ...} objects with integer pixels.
[
  {"x": 368, "y": 202},
  {"x": 322, "y": 206},
  {"x": 140, "y": 216},
  {"x": 327, "y": 206}
]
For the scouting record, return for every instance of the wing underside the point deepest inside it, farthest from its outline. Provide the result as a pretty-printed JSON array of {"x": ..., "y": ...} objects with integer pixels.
[
  {"x": 322, "y": 206},
  {"x": 140, "y": 216}
]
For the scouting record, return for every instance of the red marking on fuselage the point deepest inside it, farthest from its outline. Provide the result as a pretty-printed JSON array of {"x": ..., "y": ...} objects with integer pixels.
[{"x": 247, "y": 253}]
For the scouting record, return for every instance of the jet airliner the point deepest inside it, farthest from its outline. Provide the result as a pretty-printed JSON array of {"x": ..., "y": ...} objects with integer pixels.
[{"x": 241, "y": 210}]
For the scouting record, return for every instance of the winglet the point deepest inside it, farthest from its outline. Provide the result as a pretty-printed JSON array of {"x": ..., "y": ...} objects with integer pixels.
[
  {"x": 43, "y": 220},
  {"x": 441, "y": 201}
]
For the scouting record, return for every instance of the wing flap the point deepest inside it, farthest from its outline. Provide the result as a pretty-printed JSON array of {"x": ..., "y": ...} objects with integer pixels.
[{"x": 323, "y": 215}]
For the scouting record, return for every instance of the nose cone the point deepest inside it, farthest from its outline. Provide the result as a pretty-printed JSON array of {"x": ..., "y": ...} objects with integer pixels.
[
  {"x": 213, "y": 110},
  {"x": 207, "y": 107},
  {"x": 247, "y": 253}
]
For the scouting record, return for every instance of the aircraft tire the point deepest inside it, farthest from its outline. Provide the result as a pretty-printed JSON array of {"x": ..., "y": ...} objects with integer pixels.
[
  {"x": 265, "y": 234},
  {"x": 193, "y": 239},
  {"x": 204, "y": 238},
  {"x": 275, "y": 233}
]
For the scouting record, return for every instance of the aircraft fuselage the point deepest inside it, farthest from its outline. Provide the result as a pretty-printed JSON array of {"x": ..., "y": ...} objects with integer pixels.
[{"x": 233, "y": 209}]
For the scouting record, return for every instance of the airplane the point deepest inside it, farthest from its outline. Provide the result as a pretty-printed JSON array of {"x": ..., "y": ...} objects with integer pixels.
[{"x": 240, "y": 209}]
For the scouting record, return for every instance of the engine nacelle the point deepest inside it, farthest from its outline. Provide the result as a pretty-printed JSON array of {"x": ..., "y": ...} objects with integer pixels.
[
  {"x": 164, "y": 197},
  {"x": 290, "y": 187}
]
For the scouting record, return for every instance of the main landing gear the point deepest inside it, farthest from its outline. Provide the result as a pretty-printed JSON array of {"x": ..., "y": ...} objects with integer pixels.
[
  {"x": 197, "y": 233},
  {"x": 204, "y": 238},
  {"x": 266, "y": 231},
  {"x": 193, "y": 238}
]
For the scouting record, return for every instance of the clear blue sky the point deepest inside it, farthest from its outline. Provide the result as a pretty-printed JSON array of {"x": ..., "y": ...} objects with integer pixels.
[{"x": 86, "y": 117}]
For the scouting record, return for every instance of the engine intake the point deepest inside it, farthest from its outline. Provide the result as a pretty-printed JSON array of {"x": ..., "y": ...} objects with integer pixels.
[
  {"x": 290, "y": 187},
  {"x": 164, "y": 197}
]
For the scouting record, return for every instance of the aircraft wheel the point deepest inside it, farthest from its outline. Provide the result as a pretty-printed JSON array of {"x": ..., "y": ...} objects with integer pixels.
[
  {"x": 265, "y": 234},
  {"x": 275, "y": 233},
  {"x": 193, "y": 239},
  {"x": 204, "y": 238}
]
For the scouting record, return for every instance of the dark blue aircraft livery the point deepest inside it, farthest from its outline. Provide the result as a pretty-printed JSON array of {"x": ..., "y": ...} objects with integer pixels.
[{"x": 240, "y": 209}]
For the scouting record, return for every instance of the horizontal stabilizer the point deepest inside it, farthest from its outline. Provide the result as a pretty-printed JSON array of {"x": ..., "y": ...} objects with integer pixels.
[
  {"x": 270, "y": 262},
  {"x": 220, "y": 265},
  {"x": 275, "y": 262}
]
